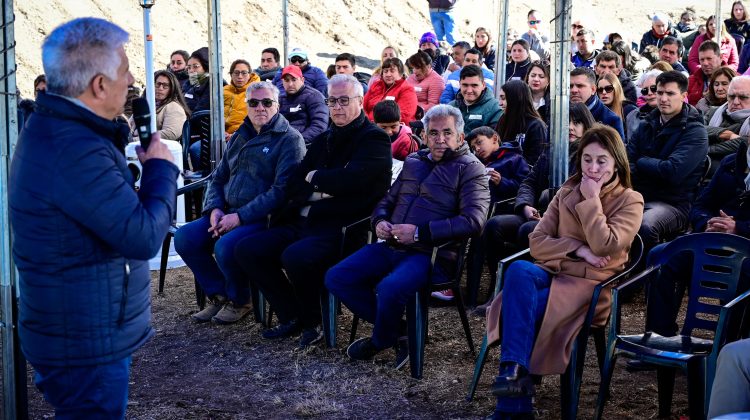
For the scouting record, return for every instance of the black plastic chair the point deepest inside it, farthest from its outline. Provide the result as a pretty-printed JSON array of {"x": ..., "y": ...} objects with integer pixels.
[
  {"x": 570, "y": 381},
  {"x": 417, "y": 309},
  {"x": 197, "y": 128},
  {"x": 716, "y": 274}
]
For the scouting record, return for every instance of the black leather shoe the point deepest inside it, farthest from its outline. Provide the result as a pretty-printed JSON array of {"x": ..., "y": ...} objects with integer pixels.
[
  {"x": 289, "y": 329},
  {"x": 513, "y": 381},
  {"x": 362, "y": 349}
]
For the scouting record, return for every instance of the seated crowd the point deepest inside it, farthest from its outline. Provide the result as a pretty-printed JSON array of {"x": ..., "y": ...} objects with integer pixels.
[{"x": 426, "y": 147}]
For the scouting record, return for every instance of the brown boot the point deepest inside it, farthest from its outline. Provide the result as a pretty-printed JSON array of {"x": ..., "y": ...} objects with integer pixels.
[{"x": 213, "y": 306}]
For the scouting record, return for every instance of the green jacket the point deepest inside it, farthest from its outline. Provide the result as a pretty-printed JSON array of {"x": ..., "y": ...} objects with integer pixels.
[{"x": 484, "y": 112}]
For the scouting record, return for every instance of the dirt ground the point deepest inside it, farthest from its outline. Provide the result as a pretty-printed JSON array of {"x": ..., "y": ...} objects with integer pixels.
[{"x": 190, "y": 371}]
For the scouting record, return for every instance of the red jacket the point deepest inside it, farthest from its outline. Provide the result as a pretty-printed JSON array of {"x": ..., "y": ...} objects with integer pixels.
[
  {"x": 404, "y": 144},
  {"x": 730, "y": 57},
  {"x": 401, "y": 92},
  {"x": 695, "y": 86}
]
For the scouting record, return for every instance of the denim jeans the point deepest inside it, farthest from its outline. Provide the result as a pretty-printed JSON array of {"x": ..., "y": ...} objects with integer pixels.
[
  {"x": 731, "y": 389},
  {"x": 376, "y": 283},
  {"x": 85, "y": 392},
  {"x": 288, "y": 264},
  {"x": 212, "y": 261},
  {"x": 443, "y": 24},
  {"x": 525, "y": 295},
  {"x": 194, "y": 151}
]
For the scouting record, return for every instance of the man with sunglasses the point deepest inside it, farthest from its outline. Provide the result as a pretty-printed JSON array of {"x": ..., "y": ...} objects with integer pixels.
[
  {"x": 314, "y": 76},
  {"x": 609, "y": 62},
  {"x": 247, "y": 185},
  {"x": 346, "y": 170},
  {"x": 667, "y": 153},
  {"x": 303, "y": 106},
  {"x": 538, "y": 41}
]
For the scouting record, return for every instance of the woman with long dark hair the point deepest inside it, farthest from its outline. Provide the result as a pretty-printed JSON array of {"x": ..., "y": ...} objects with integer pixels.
[
  {"x": 483, "y": 42},
  {"x": 538, "y": 80},
  {"x": 521, "y": 123},
  {"x": 171, "y": 109},
  {"x": 609, "y": 90}
]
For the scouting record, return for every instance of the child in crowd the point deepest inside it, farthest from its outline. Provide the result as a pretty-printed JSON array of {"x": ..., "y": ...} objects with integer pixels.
[{"x": 387, "y": 115}]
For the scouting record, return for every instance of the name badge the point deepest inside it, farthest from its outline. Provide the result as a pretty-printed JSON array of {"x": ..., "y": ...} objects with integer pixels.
[
  {"x": 189, "y": 95},
  {"x": 475, "y": 116},
  {"x": 296, "y": 108},
  {"x": 417, "y": 88},
  {"x": 390, "y": 98}
]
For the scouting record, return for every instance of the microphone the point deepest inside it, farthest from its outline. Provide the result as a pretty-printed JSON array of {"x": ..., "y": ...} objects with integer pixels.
[{"x": 142, "y": 118}]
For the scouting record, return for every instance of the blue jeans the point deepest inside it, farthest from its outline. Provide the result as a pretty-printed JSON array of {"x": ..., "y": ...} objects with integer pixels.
[
  {"x": 376, "y": 283},
  {"x": 194, "y": 151},
  {"x": 85, "y": 392},
  {"x": 525, "y": 295},
  {"x": 212, "y": 261},
  {"x": 443, "y": 24}
]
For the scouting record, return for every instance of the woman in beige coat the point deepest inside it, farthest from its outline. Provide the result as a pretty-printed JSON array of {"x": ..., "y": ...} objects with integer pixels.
[
  {"x": 171, "y": 109},
  {"x": 583, "y": 238}
]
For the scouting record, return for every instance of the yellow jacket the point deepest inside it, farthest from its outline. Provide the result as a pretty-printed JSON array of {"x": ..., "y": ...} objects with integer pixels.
[{"x": 235, "y": 109}]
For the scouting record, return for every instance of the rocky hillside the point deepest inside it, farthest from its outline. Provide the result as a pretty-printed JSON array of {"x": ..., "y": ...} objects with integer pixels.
[{"x": 323, "y": 27}]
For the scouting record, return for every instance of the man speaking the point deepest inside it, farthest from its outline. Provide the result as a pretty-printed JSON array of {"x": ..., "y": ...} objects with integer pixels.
[{"x": 82, "y": 235}]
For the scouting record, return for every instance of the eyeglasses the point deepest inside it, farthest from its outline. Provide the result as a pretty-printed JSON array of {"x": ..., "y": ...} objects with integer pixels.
[
  {"x": 731, "y": 97},
  {"x": 534, "y": 22},
  {"x": 342, "y": 100},
  {"x": 297, "y": 59},
  {"x": 645, "y": 90},
  {"x": 608, "y": 89},
  {"x": 240, "y": 73},
  {"x": 445, "y": 134},
  {"x": 160, "y": 85},
  {"x": 575, "y": 26},
  {"x": 194, "y": 66},
  {"x": 267, "y": 102}
]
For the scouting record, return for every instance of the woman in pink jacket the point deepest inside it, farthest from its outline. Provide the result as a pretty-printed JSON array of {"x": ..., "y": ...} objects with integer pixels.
[
  {"x": 427, "y": 84},
  {"x": 729, "y": 55}
]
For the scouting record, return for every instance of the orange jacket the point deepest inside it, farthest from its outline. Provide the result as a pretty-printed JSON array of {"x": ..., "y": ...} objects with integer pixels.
[{"x": 235, "y": 109}]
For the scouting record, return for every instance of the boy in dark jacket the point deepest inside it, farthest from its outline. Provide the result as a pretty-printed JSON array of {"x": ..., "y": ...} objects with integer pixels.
[{"x": 505, "y": 165}]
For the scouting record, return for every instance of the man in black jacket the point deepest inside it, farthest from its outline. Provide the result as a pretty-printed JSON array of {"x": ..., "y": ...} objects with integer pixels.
[
  {"x": 609, "y": 62},
  {"x": 346, "y": 170},
  {"x": 441, "y": 195},
  {"x": 583, "y": 90},
  {"x": 667, "y": 154}
]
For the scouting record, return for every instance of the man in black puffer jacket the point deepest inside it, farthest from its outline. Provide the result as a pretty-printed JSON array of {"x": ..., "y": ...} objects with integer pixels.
[
  {"x": 441, "y": 195},
  {"x": 304, "y": 107},
  {"x": 667, "y": 154},
  {"x": 346, "y": 170}
]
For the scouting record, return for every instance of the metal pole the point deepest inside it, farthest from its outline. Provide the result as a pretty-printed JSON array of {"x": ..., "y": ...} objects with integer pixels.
[
  {"x": 148, "y": 43},
  {"x": 718, "y": 21},
  {"x": 285, "y": 27},
  {"x": 13, "y": 368},
  {"x": 217, "y": 88},
  {"x": 559, "y": 92},
  {"x": 502, "y": 39}
]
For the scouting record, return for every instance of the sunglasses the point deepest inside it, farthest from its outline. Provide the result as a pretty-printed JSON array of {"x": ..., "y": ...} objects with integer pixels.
[
  {"x": 644, "y": 91},
  {"x": 577, "y": 26},
  {"x": 297, "y": 59},
  {"x": 534, "y": 22},
  {"x": 608, "y": 89},
  {"x": 267, "y": 102}
]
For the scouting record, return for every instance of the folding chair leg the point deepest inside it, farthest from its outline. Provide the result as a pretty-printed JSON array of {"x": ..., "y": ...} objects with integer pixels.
[
  {"x": 464, "y": 318},
  {"x": 329, "y": 309},
  {"x": 417, "y": 312},
  {"x": 478, "y": 367},
  {"x": 353, "y": 332},
  {"x": 200, "y": 297},
  {"x": 665, "y": 379},
  {"x": 163, "y": 264},
  {"x": 609, "y": 366},
  {"x": 570, "y": 381},
  {"x": 255, "y": 295},
  {"x": 696, "y": 381},
  {"x": 600, "y": 343}
]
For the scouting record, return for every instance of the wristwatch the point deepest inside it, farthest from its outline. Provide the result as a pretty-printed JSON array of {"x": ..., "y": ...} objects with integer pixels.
[{"x": 416, "y": 234}]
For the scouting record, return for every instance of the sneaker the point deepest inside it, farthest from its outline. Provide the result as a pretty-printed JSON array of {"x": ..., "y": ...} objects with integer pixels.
[
  {"x": 231, "y": 313},
  {"x": 446, "y": 295},
  {"x": 402, "y": 352},
  {"x": 310, "y": 336},
  {"x": 282, "y": 330},
  {"x": 362, "y": 349},
  {"x": 213, "y": 306}
]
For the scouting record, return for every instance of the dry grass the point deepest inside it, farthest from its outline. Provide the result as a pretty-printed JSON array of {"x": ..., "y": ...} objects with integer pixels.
[{"x": 191, "y": 371}]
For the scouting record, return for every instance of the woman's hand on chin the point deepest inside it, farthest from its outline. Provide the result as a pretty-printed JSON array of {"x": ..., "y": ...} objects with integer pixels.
[{"x": 591, "y": 187}]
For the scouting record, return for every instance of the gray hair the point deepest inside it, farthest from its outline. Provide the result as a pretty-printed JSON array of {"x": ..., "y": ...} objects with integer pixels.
[
  {"x": 340, "y": 79},
  {"x": 651, "y": 74},
  {"x": 76, "y": 51},
  {"x": 661, "y": 17},
  {"x": 738, "y": 79},
  {"x": 263, "y": 85},
  {"x": 444, "y": 111}
]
